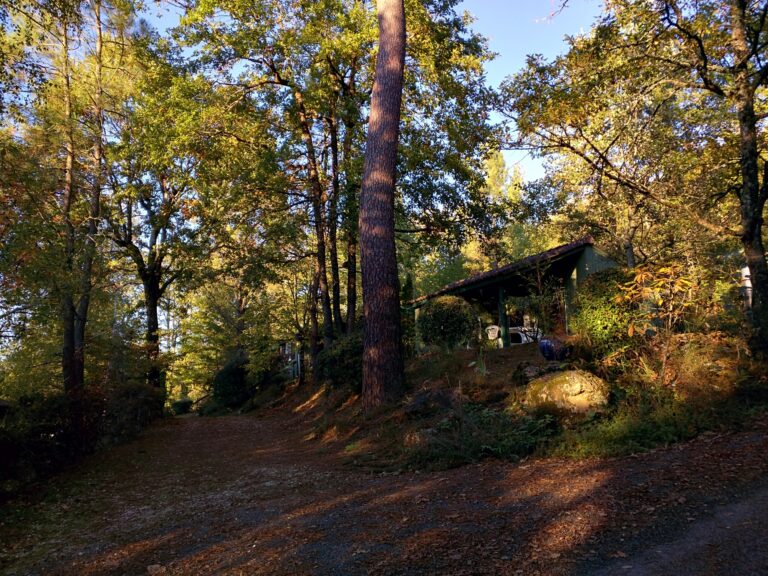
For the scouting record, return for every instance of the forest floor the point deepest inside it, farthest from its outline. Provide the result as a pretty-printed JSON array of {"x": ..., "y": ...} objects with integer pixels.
[{"x": 251, "y": 495}]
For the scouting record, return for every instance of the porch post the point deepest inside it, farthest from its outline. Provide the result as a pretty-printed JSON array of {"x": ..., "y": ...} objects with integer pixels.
[{"x": 503, "y": 322}]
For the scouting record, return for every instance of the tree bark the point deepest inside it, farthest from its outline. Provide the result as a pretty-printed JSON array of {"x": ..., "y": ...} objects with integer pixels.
[
  {"x": 94, "y": 206},
  {"x": 629, "y": 252},
  {"x": 318, "y": 213},
  {"x": 155, "y": 277},
  {"x": 752, "y": 196},
  {"x": 69, "y": 370},
  {"x": 382, "y": 352},
  {"x": 351, "y": 187},
  {"x": 351, "y": 282},
  {"x": 333, "y": 214},
  {"x": 69, "y": 364},
  {"x": 314, "y": 333},
  {"x": 152, "y": 295}
]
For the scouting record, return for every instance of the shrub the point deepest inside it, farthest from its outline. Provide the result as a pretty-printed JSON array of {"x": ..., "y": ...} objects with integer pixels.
[
  {"x": 447, "y": 321},
  {"x": 600, "y": 323},
  {"x": 130, "y": 409},
  {"x": 182, "y": 406},
  {"x": 342, "y": 363},
  {"x": 239, "y": 379},
  {"x": 43, "y": 433},
  {"x": 231, "y": 387},
  {"x": 475, "y": 432},
  {"x": 663, "y": 296},
  {"x": 210, "y": 407},
  {"x": 272, "y": 373},
  {"x": 651, "y": 417}
]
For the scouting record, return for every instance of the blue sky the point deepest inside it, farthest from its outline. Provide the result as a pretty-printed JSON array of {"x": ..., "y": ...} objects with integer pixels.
[{"x": 516, "y": 28}]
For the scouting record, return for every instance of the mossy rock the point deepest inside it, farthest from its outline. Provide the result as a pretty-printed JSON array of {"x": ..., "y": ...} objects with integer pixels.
[{"x": 574, "y": 391}]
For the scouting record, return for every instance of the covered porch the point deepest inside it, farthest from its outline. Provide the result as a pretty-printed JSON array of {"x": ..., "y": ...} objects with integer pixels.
[{"x": 562, "y": 268}]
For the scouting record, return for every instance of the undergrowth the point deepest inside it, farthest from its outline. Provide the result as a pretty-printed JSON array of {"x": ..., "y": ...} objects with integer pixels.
[
  {"x": 474, "y": 432},
  {"x": 477, "y": 414},
  {"x": 647, "y": 425}
]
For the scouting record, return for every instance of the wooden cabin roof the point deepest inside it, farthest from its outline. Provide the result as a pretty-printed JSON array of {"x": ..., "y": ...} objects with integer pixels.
[{"x": 515, "y": 278}]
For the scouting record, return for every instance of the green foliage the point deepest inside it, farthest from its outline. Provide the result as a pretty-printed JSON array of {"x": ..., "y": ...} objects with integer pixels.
[
  {"x": 719, "y": 306},
  {"x": 342, "y": 364},
  {"x": 182, "y": 406},
  {"x": 662, "y": 294},
  {"x": 476, "y": 432},
  {"x": 223, "y": 319},
  {"x": 630, "y": 431},
  {"x": 210, "y": 407},
  {"x": 639, "y": 427},
  {"x": 711, "y": 389},
  {"x": 447, "y": 321},
  {"x": 441, "y": 267},
  {"x": 131, "y": 408},
  {"x": 231, "y": 385},
  {"x": 599, "y": 321},
  {"x": 241, "y": 377}
]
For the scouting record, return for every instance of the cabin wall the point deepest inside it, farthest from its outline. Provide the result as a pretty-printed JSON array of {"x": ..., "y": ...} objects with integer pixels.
[{"x": 590, "y": 262}]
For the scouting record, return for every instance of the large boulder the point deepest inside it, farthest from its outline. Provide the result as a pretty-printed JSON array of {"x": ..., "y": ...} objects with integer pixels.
[{"x": 573, "y": 391}]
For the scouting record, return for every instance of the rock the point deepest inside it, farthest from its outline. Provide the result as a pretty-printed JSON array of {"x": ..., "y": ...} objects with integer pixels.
[
  {"x": 429, "y": 402},
  {"x": 156, "y": 570},
  {"x": 570, "y": 390},
  {"x": 534, "y": 371}
]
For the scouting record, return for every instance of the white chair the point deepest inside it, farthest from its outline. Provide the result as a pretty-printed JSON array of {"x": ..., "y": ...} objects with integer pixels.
[{"x": 494, "y": 333}]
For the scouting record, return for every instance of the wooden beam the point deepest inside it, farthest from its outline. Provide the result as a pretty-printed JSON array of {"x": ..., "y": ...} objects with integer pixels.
[{"x": 503, "y": 322}]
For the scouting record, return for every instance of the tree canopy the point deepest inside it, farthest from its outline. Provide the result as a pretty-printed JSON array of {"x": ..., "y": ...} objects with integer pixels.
[{"x": 173, "y": 200}]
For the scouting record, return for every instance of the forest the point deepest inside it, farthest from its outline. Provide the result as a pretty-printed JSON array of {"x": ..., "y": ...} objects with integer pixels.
[{"x": 300, "y": 218}]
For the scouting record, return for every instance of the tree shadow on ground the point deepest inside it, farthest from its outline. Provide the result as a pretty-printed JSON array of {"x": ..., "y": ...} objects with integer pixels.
[{"x": 240, "y": 495}]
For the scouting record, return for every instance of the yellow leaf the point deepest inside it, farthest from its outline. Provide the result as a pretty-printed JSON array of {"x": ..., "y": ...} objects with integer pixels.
[{"x": 631, "y": 331}]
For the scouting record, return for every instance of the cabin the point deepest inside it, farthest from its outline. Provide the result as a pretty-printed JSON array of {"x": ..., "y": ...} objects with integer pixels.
[{"x": 561, "y": 269}]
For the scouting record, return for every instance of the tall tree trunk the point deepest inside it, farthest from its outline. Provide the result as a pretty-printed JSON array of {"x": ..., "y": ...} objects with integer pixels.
[
  {"x": 152, "y": 295},
  {"x": 69, "y": 370},
  {"x": 241, "y": 308},
  {"x": 382, "y": 353},
  {"x": 629, "y": 252},
  {"x": 351, "y": 187},
  {"x": 752, "y": 196},
  {"x": 69, "y": 365},
  {"x": 94, "y": 205},
  {"x": 314, "y": 333},
  {"x": 318, "y": 210},
  {"x": 351, "y": 281},
  {"x": 333, "y": 214}
]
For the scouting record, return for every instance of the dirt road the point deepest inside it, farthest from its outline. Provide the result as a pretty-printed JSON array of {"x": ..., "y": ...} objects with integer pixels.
[{"x": 248, "y": 495}]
